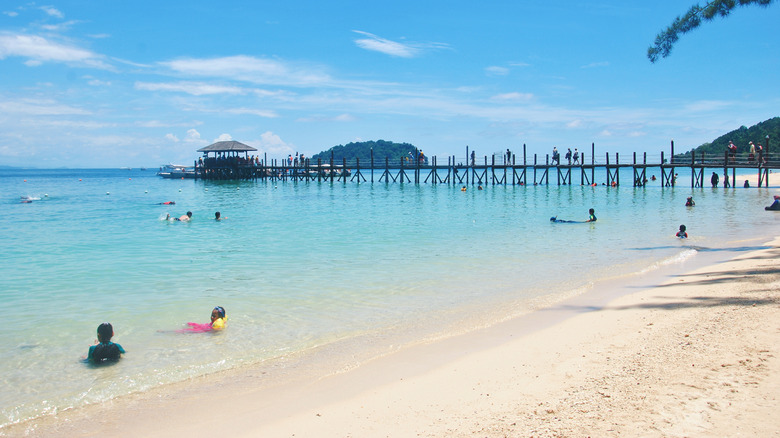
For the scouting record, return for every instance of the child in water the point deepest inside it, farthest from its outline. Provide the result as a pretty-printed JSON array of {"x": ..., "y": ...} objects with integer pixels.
[
  {"x": 682, "y": 234},
  {"x": 104, "y": 350},
  {"x": 218, "y": 322},
  {"x": 689, "y": 202},
  {"x": 218, "y": 318},
  {"x": 591, "y": 216}
]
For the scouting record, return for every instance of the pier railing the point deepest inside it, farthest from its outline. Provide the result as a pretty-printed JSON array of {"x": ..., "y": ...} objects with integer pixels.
[{"x": 497, "y": 168}]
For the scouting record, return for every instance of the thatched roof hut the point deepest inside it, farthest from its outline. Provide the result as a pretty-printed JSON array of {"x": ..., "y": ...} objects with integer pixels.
[{"x": 227, "y": 146}]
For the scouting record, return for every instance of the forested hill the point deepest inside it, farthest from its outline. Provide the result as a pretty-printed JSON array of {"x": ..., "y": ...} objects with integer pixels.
[
  {"x": 362, "y": 150},
  {"x": 741, "y": 137}
]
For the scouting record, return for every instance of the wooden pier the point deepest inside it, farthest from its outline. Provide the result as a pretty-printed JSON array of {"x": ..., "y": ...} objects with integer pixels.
[{"x": 503, "y": 169}]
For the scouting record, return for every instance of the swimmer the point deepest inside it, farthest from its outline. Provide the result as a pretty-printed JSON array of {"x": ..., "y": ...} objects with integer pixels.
[
  {"x": 775, "y": 205},
  {"x": 104, "y": 350},
  {"x": 463, "y": 189},
  {"x": 591, "y": 216},
  {"x": 167, "y": 203},
  {"x": 218, "y": 318},
  {"x": 184, "y": 218},
  {"x": 218, "y": 216},
  {"x": 218, "y": 322},
  {"x": 689, "y": 202},
  {"x": 682, "y": 234}
]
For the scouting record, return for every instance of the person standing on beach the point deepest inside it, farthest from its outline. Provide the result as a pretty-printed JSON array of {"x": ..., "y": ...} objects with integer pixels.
[{"x": 715, "y": 179}]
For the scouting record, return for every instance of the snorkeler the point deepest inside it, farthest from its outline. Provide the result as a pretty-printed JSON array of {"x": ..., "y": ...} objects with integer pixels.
[{"x": 104, "y": 350}]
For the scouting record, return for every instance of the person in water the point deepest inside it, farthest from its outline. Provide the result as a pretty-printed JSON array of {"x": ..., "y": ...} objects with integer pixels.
[
  {"x": 218, "y": 318},
  {"x": 689, "y": 202},
  {"x": 218, "y": 322},
  {"x": 104, "y": 350},
  {"x": 775, "y": 205},
  {"x": 591, "y": 216},
  {"x": 682, "y": 234},
  {"x": 167, "y": 203},
  {"x": 218, "y": 216},
  {"x": 184, "y": 218}
]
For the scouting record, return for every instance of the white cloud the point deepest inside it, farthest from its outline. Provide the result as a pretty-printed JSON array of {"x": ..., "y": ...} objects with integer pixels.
[
  {"x": 52, "y": 11},
  {"x": 385, "y": 46},
  {"x": 40, "y": 50},
  {"x": 518, "y": 97},
  {"x": 193, "y": 136},
  {"x": 11, "y": 13},
  {"x": 172, "y": 138},
  {"x": 338, "y": 118},
  {"x": 39, "y": 107},
  {"x": 707, "y": 105},
  {"x": 272, "y": 143},
  {"x": 251, "y": 69},
  {"x": 224, "y": 137},
  {"x": 496, "y": 71},
  {"x": 574, "y": 124},
  {"x": 252, "y": 111},
  {"x": 194, "y": 88}
]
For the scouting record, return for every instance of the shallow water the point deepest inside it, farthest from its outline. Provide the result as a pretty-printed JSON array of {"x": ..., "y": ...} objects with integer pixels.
[{"x": 301, "y": 265}]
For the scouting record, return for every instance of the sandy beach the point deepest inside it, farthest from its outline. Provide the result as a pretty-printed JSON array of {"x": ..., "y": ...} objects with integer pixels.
[{"x": 694, "y": 356}]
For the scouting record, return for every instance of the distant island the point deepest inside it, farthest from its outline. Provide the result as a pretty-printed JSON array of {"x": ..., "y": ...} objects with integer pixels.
[
  {"x": 362, "y": 150},
  {"x": 741, "y": 137}
]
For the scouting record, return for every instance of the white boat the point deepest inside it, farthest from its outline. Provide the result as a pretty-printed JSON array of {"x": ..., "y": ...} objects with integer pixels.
[{"x": 177, "y": 171}]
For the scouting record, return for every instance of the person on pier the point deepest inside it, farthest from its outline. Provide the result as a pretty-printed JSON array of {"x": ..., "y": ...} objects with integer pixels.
[
  {"x": 556, "y": 157},
  {"x": 568, "y": 156},
  {"x": 576, "y": 156}
]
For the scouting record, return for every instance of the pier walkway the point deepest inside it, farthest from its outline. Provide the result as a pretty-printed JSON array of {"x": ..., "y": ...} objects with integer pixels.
[{"x": 500, "y": 168}]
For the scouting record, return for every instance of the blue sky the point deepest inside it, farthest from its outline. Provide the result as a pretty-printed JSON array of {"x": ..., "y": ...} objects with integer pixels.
[{"x": 112, "y": 84}]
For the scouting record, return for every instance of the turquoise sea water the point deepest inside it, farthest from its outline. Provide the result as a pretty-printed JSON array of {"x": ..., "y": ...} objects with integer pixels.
[{"x": 305, "y": 265}]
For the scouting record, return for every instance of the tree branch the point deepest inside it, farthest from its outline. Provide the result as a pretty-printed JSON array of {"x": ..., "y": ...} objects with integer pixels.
[{"x": 665, "y": 40}]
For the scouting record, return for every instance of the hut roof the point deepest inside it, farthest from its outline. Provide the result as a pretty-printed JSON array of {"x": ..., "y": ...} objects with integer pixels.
[{"x": 227, "y": 146}]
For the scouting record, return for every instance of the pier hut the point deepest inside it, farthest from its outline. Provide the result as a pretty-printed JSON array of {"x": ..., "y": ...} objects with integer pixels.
[{"x": 228, "y": 160}]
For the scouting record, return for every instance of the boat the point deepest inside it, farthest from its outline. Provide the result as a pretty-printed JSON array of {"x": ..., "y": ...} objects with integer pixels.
[{"x": 177, "y": 171}]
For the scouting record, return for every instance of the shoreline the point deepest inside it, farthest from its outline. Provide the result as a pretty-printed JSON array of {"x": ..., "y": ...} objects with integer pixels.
[{"x": 694, "y": 354}]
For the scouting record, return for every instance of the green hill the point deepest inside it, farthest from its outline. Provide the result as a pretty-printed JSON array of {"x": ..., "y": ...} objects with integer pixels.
[
  {"x": 741, "y": 137},
  {"x": 382, "y": 149}
]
